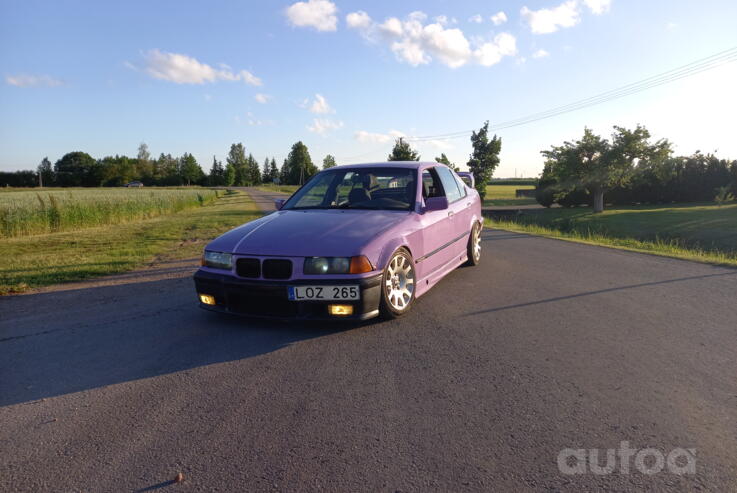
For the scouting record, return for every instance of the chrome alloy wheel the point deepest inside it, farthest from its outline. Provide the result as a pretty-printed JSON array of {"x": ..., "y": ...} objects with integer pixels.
[
  {"x": 476, "y": 243},
  {"x": 399, "y": 282}
]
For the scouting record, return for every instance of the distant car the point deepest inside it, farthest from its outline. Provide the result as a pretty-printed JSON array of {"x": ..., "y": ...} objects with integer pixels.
[
  {"x": 354, "y": 242},
  {"x": 133, "y": 184}
]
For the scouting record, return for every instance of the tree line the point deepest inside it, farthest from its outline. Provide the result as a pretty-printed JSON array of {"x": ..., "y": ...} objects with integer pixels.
[
  {"x": 631, "y": 169},
  {"x": 79, "y": 169}
]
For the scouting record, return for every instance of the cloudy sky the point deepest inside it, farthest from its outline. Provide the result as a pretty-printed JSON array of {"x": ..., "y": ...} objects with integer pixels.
[{"x": 347, "y": 77}]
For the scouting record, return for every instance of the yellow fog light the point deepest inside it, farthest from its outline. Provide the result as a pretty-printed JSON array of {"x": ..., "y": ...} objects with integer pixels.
[
  {"x": 207, "y": 299},
  {"x": 340, "y": 310}
]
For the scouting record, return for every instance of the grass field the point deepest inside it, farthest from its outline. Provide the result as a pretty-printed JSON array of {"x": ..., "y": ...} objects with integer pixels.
[
  {"x": 503, "y": 195},
  {"x": 703, "y": 232},
  {"x": 51, "y": 258},
  {"x": 24, "y": 212},
  {"x": 270, "y": 187}
]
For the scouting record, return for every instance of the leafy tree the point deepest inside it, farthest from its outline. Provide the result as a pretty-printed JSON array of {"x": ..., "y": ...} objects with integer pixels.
[
  {"x": 402, "y": 151},
  {"x": 253, "y": 173},
  {"x": 597, "y": 165},
  {"x": 273, "y": 171},
  {"x": 76, "y": 169},
  {"x": 329, "y": 162},
  {"x": 723, "y": 196},
  {"x": 299, "y": 167},
  {"x": 45, "y": 173},
  {"x": 443, "y": 159},
  {"x": 485, "y": 157},
  {"x": 229, "y": 175},
  {"x": 145, "y": 169},
  {"x": 190, "y": 170},
  {"x": 237, "y": 159},
  {"x": 167, "y": 170}
]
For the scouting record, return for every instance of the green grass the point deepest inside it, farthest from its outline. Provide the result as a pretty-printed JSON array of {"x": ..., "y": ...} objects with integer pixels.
[
  {"x": 503, "y": 195},
  {"x": 41, "y": 260},
  {"x": 25, "y": 212},
  {"x": 270, "y": 187},
  {"x": 701, "y": 232}
]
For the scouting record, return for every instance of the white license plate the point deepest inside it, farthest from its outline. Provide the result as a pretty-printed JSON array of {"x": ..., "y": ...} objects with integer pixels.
[{"x": 327, "y": 293}]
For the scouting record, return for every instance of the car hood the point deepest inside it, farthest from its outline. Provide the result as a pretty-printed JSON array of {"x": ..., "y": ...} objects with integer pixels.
[{"x": 308, "y": 233}]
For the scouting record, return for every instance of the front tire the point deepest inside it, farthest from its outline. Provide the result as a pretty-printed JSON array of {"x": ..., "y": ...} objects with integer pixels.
[
  {"x": 474, "y": 245},
  {"x": 398, "y": 285}
]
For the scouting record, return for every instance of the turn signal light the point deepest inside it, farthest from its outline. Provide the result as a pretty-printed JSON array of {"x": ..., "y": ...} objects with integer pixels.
[
  {"x": 207, "y": 299},
  {"x": 340, "y": 310},
  {"x": 360, "y": 264}
]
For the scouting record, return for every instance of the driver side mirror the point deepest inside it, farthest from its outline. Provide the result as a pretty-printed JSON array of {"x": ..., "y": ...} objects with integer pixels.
[
  {"x": 436, "y": 204},
  {"x": 279, "y": 203}
]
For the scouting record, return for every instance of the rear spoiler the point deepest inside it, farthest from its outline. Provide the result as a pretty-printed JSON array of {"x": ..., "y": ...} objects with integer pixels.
[{"x": 467, "y": 177}]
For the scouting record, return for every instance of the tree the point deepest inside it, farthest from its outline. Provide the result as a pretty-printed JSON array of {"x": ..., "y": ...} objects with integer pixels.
[
  {"x": 189, "y": 169},
  {"x": 485, "y": 157},
  {"x": 229, "y": 175},
  {"x": 145, "y": 170},
  {"x": 217, "y": 173},
  {"x": 45, "y": 173},
  {"x": 329, "y": 162},
  {"x": 299, "y": 167},
  {"x": 76, "y": 169},
  {"x": 266, "y": 173},
  {"x": 598, "y": 165},
  {"x": 402, "y": 151},
  {"x": 273, "y": 170},
  {"x": 237, "y": 160},
  {"x": 253, "y": 173},
  {"x": 443, "y": 159},
  {"x": 723, "y": 195}
]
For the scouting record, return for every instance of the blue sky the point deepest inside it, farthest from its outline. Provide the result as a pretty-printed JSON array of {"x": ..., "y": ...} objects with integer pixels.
[{"x": 346, "y": 77}]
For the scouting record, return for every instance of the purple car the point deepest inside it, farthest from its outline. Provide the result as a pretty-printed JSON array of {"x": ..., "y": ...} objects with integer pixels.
[{"x": 354, "y": 242}]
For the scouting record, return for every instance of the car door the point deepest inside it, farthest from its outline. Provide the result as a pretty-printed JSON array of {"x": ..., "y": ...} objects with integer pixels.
[
  {"x": 457, "y": 210},
  {"x": 436, "y": 228}
]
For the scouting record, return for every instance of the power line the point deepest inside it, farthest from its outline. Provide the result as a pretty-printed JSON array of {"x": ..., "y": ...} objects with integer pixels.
[{"x": 687, "y": 70}]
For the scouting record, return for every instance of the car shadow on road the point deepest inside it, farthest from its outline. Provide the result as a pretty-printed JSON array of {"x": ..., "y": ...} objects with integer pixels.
[{"x": 62, "y": 342}]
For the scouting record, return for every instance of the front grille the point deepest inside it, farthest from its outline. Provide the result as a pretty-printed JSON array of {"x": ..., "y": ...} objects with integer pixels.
[
  {"x": 248, "y": 267},
  {"x": 277, "y": 269}
]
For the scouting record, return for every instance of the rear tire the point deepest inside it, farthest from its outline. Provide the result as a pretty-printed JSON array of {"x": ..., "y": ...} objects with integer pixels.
[
  {"x": 398, "y": 285},
  {"x": 473, "y": 249}
]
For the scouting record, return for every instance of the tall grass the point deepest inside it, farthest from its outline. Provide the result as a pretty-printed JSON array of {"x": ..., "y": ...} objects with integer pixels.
[{"x": 24, "y": 213}]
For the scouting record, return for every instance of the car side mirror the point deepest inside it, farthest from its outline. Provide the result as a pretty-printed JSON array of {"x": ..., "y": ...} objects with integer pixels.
[
  {"x": 279, "y": 203},
  {"x": 436, "y": 204}
]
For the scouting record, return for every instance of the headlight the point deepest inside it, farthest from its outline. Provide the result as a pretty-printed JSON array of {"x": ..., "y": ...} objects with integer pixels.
[
  {"x": 337, "y": 265},
  {"x": 217, "y": 260}
]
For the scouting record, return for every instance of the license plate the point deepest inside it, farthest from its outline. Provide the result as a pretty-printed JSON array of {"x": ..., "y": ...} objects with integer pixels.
[{"x": 327, "y": 293}]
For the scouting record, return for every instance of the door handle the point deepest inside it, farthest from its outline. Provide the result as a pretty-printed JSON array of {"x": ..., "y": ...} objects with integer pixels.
[
  {"x": 450, "y": 214},
  {"x": 468, "y": 204}
]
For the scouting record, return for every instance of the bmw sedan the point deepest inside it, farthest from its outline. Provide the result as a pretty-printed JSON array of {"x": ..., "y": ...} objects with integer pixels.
[{"x": 354, "y": 242}]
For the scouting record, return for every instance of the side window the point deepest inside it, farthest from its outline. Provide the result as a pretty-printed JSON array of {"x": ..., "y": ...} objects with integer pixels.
[
  {"x": 461, "y": 186},
  {"x": 431, "y": 186},
  {"x": 449, "y": 184}
]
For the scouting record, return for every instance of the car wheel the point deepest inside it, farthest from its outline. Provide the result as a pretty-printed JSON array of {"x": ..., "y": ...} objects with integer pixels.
[
  {"x": 474, "y": 245},
  {"x": 398, "y": 285}
]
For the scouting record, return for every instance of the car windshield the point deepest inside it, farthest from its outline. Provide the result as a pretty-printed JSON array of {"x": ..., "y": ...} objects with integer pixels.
[{"x": 358, "y": 188}]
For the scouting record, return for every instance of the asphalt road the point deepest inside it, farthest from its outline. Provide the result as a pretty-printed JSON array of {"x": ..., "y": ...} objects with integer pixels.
[{"x": 120, "y": 384}]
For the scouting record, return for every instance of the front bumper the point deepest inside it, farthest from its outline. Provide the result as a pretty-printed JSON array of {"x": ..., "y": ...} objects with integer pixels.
[{"x": 268, "y": 299}]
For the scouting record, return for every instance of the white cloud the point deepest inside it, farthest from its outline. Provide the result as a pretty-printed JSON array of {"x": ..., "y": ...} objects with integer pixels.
[
  {"x": 378, "y": 138},
  {"x": 598, "y": 7},
  {"x": 416, "y": 43},
  {"x": 25, "y": 80},
  {"x": 183, "y": 69},
  {"x": 546, "y": 21},
  {"x": 262, "y": 98},
  {"x": 491, "y": 53},
  {"x": 358, "y": 20},
  {"x": 540, "y": 54},
  {"x": 319, "y": 105},
  {"x": 319, "y": 14},
  {"x": 476, "y": 19},
  {"x": 442, "y": 20},
  {"x": 499, "y": 18},
  {"x": 323, "y": 126}
]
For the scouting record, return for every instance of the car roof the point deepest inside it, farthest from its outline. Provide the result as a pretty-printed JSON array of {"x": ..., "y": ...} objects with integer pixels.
[{"x": 390, "y": 164}]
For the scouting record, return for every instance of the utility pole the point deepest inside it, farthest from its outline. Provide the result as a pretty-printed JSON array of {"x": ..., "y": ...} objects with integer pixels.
[{"x": 40, "y": 180}]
